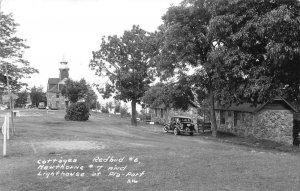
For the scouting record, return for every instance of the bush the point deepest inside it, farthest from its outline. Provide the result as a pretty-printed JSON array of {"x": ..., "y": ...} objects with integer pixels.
[
  {"x": 124, "y": 111},
  {"x": 117, "y": 108},
  {"x": 77, "y": 112},
  {"x": 104, "y": 109}
]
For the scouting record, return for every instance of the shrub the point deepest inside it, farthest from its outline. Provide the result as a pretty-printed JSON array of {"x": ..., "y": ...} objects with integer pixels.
[
  {"x": 124, "y": 111},
  {"x": 117, "y": 108},
  {"x": 77, "y": 112},
  {"x": 104, "y": 109}
]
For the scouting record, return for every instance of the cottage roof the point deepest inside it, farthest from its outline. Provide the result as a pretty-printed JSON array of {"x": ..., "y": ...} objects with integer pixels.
[
  {"x": 63, "y": 81},
  {"x": 161, "y": 106},
  {"x": 248, "y": 107},
  {"x": 53, "y": 80},
  {"x": 279, "y": 98},
  {"x": 54, "y": 89},
  {"x": 245, "y": 107}
]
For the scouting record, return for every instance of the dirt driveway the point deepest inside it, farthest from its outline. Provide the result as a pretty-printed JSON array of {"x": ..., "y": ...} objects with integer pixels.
[{"x": 106, "y": 153}]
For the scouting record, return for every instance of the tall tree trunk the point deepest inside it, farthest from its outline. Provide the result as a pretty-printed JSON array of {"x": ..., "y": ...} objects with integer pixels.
[
  {"x": 212, "y": 113},
  {"x": 298, "y": 88},
  {"x": 133, "y": 113}
]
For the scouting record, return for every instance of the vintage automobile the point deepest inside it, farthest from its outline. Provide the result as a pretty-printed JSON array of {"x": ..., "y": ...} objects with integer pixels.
[
  {"x": 42, "y": 105},
  {"x": 180, "y": 124}
]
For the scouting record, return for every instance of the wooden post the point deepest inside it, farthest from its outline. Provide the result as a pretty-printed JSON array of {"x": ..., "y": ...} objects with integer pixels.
[
  {"x": 4, "y": 131},
  {"x": 7, "y": 126},
  {"x": 9, "y": 92},
  {"x": 12, "y": 113}
]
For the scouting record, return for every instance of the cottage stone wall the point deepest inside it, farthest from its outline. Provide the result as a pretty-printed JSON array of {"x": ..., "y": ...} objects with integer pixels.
[
  {"x": 52, "y": 100},
  {"x": 242, "y": 126},
  {"x": 276, "y": 125}
]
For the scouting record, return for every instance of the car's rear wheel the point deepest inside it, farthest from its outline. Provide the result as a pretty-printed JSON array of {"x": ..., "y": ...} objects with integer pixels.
[{"x": 176, "y": 132}]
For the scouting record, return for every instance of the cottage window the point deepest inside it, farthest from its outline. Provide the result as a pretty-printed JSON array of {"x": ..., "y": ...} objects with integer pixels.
[
  {"x": 229, "y": 113},
  {"x": 222, "y": 117},
  {"x": 155, "y": 112},
  {"x": 161, "y": 113}
]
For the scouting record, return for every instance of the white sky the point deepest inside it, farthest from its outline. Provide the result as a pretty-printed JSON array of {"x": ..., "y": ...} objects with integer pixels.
[{"x": 74, "y": 28}]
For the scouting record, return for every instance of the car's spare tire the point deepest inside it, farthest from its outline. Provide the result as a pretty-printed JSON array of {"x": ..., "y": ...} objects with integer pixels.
[{"x": 165, "y": 129}]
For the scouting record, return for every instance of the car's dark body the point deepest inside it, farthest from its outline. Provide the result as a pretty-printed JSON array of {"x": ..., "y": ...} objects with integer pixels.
[{"x": 180, "y": 124}]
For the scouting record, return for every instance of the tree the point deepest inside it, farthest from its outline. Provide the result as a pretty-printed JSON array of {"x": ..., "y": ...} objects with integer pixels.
[
  {"x": 156, "y": 96},
  {"x": 117, "y": 106},
  {"x": 95, "y": 105},
  {"x": 76, "y": 90},
  {"x": 37, "y": 95},
  {"x": 124, "y": 111},
  {"x": 176, "y": 95},
  {"x": 22, "y": 98},
  {"x": 185, "y": 45},
  {"x": 105, "y": 109},
  {"x": 260, "y": 52},
  {"x": 126, "y": 62},
  {"x": 91, "y": 97},
  {"x": 77, "y": 112},
  {"x": 110, "y": 105},
  {"x": 11, "y": 55}
]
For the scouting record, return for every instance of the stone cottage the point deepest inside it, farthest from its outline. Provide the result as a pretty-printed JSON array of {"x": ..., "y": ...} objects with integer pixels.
[
  {"x": 161, "y": 114},
  {"x": 54, "y": 98},
  {"x": 272, "y": 120}
]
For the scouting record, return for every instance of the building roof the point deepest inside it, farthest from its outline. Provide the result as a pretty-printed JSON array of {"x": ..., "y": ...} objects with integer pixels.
[
  {"x": 248, "y": 107},
  {"x": 63, "y": 81},
  {"x": 54, "y": 89},
  {"x": 276, "y": 99},
  {"x": 245, "y": 107},
  {"x": 53, "y": 80},
  {"x": 161, "y": 106}
]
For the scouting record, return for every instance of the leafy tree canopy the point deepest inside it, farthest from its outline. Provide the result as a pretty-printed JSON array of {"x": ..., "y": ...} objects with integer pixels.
[
  {"x": 261, "y": 48},
  {"x": 172, "y": 95},
  {"x": 37, "y": 95},
  {"x": 240, "y": 51},
  {"x": 11, "y": 55},
  {"x": 185, "y": 47},
  {"x": 76, "y": 90},
  {"x": 126, "y": 61},
  {"x": 91, "y": 97},
  {"x": 22, "y": 98}
]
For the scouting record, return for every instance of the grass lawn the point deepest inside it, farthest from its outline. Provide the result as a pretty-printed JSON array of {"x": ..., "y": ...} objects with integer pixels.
[{"x": 145, "y": 158}]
